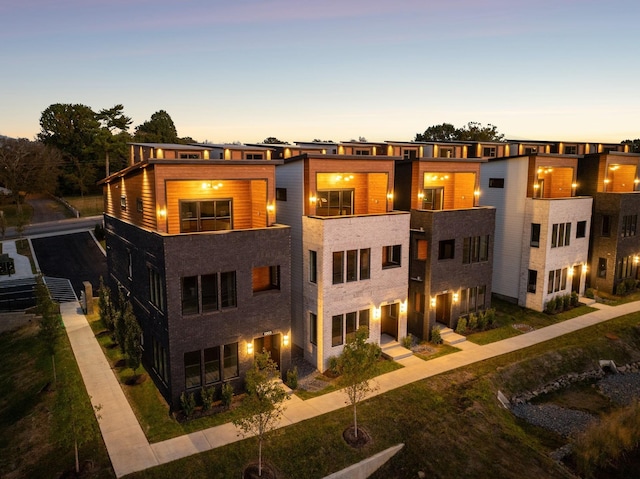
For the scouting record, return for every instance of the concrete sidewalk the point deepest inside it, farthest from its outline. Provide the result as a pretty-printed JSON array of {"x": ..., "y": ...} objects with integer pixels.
[{"x": 130, "y": 451}]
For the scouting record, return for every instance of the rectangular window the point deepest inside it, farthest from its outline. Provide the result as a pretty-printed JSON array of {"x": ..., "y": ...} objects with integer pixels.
[
  {"x": 313, "y": 328},
  {"x": 496, "y": 182},
  {"x": 446, "y": 249},
  {"x": 338, "y": 267},
  {"x": 212, "y": 365},
  {"x": 254, "y": 156},
  {"x": 230, "y": 361},
  {"x": 570, "y": 150},
  {"x": 265, "y": 278},
  {"x": 445, "y": 152},
  {"x": 560, "y": 235},
  {"x": 391, "y": 256},
  {"x": 624, "y": 268},
  {"x": 489, "y": 151},
  {"x": 281, "y": 194},
  {"x": 532, "y": 281},
  {"x": 554, "y": 236},
  {"x": 351, "y": 320},
  {"x": 206, "y": 215},
  {"x": 421, "y": 249},
  {"x": 480, "y": 304},
  {"x": 535, "y": 235},
  {"x": 464, "y": 301},
  {"x": 475, "y": 249},
  {"x": 362, "y": 152},
  {"x": 337, "y": 330},
  {"x": 189, "y": 156},
  {"x": 334, "y": 203},
  {"x": 192, "y": 377},
  {"x": 363, "y": 319},
  {"x": 602, "y": 267},
  {"x": 433, "y": 199},
  {"x": 557, "y": 280},
  {"x": 563, "y": 281},
  {"x": 313, "y": 266},
  {"x": 365, "y": 263},
  {"x": 606, "y": 225},
  {"x": 409, "y": 154},
  {"x": 629, "y": 224},
  {"x": 352, "y": 265},
  {"x": 123, "y": 203},
  {"x": 550, "y": 285},
  {"x": 209, "y": 283},
  {"x": 190, "y": 295},
  {"x": 228, "y": 289},
  {"x": 581, "y": 229},
  {"x": 156, "y": 290},
  {"x": 139, "y": 205}
]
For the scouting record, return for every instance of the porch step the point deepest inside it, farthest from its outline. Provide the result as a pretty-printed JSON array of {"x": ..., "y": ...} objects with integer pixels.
[
  {"x": 391, "y": 349},
  {"x": 586, "y": 301},
  {"x": 450, "y": 337}
]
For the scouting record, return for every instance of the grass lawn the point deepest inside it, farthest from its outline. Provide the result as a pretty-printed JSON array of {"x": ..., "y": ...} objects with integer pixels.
[
  {"x": 35, "y": 412},
  {"x": 10, "y": 212},
  {"x": 509, "y": 314},
  {"x": 615, "y": 300},
  {"x": 87, "y": 205},
  {"x": 452, "y": 425}
]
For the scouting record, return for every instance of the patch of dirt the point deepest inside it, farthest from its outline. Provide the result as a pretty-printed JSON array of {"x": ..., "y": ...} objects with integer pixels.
[
  {"x": 523, "y": 328},
  {"x": 136, "y": 379},
  {"x": 268, "y": 471},
  {"x": 361, "y": 440}
]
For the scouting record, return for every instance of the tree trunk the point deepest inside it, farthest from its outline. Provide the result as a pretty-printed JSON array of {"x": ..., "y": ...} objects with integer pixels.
[
  {"x": 355, "y": 421},
  {"x": 53, "y": 362},
  {"x": 260, "y": 457},
  {"x": 75, "y": 445}
]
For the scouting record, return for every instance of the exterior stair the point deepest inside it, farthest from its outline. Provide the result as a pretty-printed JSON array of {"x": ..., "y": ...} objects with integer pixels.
[
  {"x": 449, "y": 336},
  {"x": 391, "y": 349}
]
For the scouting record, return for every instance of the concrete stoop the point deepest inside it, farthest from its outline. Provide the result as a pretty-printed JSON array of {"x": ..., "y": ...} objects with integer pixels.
[
  {"x": 450, "y": 337},
  {"x": 586, "y": 301},
  {"x": 391, "y": 349}
]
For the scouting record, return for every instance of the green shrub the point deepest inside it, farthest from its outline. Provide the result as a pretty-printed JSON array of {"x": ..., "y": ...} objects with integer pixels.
[
  {"x": 292, "y": 378},
  {"x": 226, "y": 395},
  {"x": 482, "y": 320},
  {"x": 550, "y": 306},
  {"x": 621, "y": 289},
  {"x": 472, "y": 323},
  {"x": 490, "y": 314},
  {"x": 461, "y": 328},
  {"x": 98, "y": 232},
  {"x": 436, "y": 337},
  {"x": 574, "y": 299},
  {"x": 333, "y": 364},
  {"x": 566, "y": 302},
  {"x": 208, "y": 396},
  {"x": 630, "y": 284},
  {"x": 590, "y": 293},
  {"x": 407, "y": 341},
  {"x": 188, "y": 402}
]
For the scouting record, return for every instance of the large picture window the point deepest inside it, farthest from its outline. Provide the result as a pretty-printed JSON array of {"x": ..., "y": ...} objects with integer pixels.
[
  {"x": 433, "y": 198},
  {"x": 192, "y": 377},
  {"x": 391, "y": 256},
  {"x": 334, "y": 203},
  {"x": 209, "y": 292},
  {"x": 475, "y": 249},
  {"x": 205, "y": 215}
]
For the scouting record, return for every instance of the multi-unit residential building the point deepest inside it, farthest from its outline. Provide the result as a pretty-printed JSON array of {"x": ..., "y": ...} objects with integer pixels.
[
  {"x": 451, "y": 237},
  {"x": 542, "y": 227},
  {"x": 192, "y": 241},
  {"x": 613, "y": 180},
  {"x": 350, "y": 250}
]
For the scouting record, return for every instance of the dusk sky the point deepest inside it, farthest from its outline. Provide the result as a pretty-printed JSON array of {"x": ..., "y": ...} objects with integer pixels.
[{"x": 244, "y": 70}]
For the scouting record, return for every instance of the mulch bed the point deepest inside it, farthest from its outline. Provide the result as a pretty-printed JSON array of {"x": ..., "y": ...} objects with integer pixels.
[{"x": 362, "y": 440}]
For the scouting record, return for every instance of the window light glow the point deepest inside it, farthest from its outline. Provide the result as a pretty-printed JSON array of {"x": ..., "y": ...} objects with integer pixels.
[
  {"x": 249, "y": 347},
  {"x": 285, "y": 340},
  {"x": 433, "y": 302},
  {"x": 376, "y": 312}
]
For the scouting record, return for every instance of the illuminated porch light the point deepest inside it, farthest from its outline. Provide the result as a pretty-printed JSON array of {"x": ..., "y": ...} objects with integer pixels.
[
  {"x": 313, "y": 199},
  {"x": 403, "y": 306},
  {"x": 389, "y": 196},
  {"x": 162, "y": 212},
  {"x": 606, "y": 181},
  {"x": 476, "y": 193},
  {"x": 584, "y": 268},
  {"x": 376, "y": 312},
  {"x": 433, "y": 302},
  {"x": 420, "y": 195},
  {"x": 271, "y": 208},
  {"x": 455, "y": 297},
  {"x": 614, "y": 167},
  {"x": 285, "y": 340},
  {"x": 636, "y": 259},
  {"x": 536, "y": 186},
  {"x": 570, "y": 272},
  {"x": 636, "y": 181},
  {"x": 250, "y": 347}
]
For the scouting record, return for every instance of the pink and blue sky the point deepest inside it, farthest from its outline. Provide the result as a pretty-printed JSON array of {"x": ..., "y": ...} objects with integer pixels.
[{"x": 244, "y": 70}]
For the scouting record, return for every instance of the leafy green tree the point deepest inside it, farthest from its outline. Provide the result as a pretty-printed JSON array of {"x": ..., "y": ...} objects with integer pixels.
[
  {"x": 272, "y": 140},
  {"x": 105, "y": 305},
  {"x": 356, "y": 368},
  {"x": 263, "y": 405},
  {"x": 115, "y": 135},
  {"x": 133, "y": 342},
  {"x": 49, "y": 323},
  {"x": 634, "y": 145},
  {"x": 159, "y": 129},
  {"x": 472, "y": 131},
  {"x": 120, "y": 327}
]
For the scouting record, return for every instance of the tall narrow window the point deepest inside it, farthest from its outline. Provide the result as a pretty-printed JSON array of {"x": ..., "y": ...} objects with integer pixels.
[
  {"x": 190, "y": 295},
  {"x": 313, "y": 328},
  {"x": 228, "y": 289},
  {"x": 338, "y": 267},
  {"x": 581, "y": 229},
  {"x": 352, "y": 265},
  {"x": 209, "y": 283},
  {"x": 535, "y": 235},
  {"x": 365, "y": 263},
  {"x": 532, "y": 282},
  {"x": 230, "y": 361},
  {"x": 602, "y": 267},
  {"x": 606, "y": 225},
  {"x": 156, "y": 293},
  {"x": 212, "y": 365},
  {"x": 337, "y": 330},
  {"x": 192, "y": 377},
  {"x": 351, "y": 320},
  {"x": 363, "y": 319},
  {"x": 313, "y": 266},
  {"x": 421, "y": 249}
]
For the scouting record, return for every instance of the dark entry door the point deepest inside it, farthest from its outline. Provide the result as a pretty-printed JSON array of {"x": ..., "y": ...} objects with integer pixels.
[
  {"x": 271, "y": 344},
  {"x": 443, "y": 309},
  {"x": 389, "y": 320},
  {"x": 575, "y": 279}
]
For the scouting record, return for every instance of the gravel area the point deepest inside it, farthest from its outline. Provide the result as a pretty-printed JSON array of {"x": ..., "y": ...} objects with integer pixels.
[
  {"x": 308, "y": 375},
  {"x": 554, "y": 418},
  {"x": 623, "y": 389}
]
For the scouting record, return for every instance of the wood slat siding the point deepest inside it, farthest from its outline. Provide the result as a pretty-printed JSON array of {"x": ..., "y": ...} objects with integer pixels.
[
  {"x": 558, "y": 183},
  {"x": 461, "y": 182},
  {"x": 555, "y": 162},
  {"x": 622, "y": 179}
]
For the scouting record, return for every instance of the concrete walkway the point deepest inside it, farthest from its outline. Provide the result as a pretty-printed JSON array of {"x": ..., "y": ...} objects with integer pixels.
[{"x": 130, "y": 451}]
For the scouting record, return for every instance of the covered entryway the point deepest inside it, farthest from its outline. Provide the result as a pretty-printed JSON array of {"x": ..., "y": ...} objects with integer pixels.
[
  {"x": 443, "y": 309},
  {"x": 270, "y": 343},
  {"x": 389, "y": 320},
  {"x": 575, "y": 278}
]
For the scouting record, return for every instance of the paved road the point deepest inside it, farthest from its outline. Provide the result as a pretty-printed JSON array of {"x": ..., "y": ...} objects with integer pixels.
[
  {"x": 75, "y": 256},
  {"x": 46, "y": 209}
]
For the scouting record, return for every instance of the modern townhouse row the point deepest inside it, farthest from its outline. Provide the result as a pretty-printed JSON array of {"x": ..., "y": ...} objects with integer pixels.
[{"x": 227, "y": 250}]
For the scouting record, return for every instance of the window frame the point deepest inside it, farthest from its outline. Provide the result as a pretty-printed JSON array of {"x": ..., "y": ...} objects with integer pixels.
[
  {"x": 446, "y": 249},
  {"x": 391, "y": 256}
]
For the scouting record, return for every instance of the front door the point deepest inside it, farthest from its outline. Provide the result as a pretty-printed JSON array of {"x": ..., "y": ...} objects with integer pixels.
[
  {"x": 389, "y": 320},
  {"x": 443, "y": 309},
  {"x": 270, "y": 344},
  {"x": 575, "y": 279}
]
